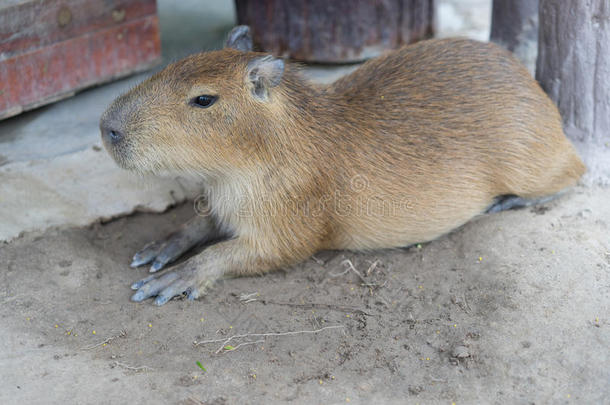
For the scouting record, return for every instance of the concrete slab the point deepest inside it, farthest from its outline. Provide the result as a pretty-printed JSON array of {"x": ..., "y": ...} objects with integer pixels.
[{"x": 77, "y": 189}]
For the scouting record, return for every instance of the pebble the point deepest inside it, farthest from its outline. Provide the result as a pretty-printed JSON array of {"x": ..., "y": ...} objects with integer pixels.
[{"x": 460, "y": 352}]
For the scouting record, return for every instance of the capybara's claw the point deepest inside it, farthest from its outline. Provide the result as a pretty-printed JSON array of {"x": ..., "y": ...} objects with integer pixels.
[{"x": 146, "y": 255}]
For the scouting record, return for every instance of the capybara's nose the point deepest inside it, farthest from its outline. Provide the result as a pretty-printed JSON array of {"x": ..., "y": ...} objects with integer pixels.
[{"x": 110, "y": 134}]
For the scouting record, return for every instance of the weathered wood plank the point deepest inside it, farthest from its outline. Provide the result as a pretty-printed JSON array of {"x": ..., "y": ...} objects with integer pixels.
[
  {"x": 33, "y": 24},
  {"x": 335, "y": 31},
  {"x": 574, "y": 69},
  {"x": 58, "y": 70},
  {"x": 514, "y": 25}
]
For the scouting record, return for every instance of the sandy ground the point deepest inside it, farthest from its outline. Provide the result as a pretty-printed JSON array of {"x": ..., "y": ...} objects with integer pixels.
[{"x": 511, "y": 308}]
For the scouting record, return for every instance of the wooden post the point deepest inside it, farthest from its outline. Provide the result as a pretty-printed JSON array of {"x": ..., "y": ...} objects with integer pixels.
[
  {"x": 335, "y": 31},
  {"x": 514, "y": 25},
  {"x": 574, "y": 69}
]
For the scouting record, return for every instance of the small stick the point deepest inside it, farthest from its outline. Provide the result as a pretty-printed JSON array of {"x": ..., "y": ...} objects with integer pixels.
[
  {"x": 342, "y": 308},
  {"x": 122, "y": 333},
  {"x": 242, "y": 344},
  {"x": 245, "y": 298},
  {"x": 250, "y": 300},
  {"x": 136, "y": 369},
  {"x": 372, "y": 267},
  {"x": 264, "y": 335},
  {"x": 339, "y": 274},
  {"x": 319, "y": 261},
  {"x": 351, "y": 267}
]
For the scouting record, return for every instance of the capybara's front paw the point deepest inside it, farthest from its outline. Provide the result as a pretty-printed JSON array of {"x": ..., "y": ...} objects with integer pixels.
[
  {"x": 162, "y": 252},
  {"x": 197, "y": 230},
  {"x": 147, "y": 254},
  {"x": 185, "y": 279}
]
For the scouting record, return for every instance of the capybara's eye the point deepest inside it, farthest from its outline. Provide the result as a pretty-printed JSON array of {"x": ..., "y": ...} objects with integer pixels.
[{"x": 204, "y": 101}]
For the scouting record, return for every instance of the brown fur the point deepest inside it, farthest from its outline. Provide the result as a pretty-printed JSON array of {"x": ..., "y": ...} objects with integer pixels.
[{"x": 406, "y": 148}]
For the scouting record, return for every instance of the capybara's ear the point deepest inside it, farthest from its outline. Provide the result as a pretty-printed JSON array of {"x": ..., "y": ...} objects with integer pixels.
[
  {"x": 239, "y": 38},
  {"x": 263, "y": 73}
]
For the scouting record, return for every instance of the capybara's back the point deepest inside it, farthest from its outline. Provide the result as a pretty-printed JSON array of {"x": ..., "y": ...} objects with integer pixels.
[{"x": 449, "y": 125}]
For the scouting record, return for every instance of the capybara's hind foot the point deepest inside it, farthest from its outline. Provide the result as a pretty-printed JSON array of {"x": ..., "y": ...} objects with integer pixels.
[{"x": 509, "y": 202}]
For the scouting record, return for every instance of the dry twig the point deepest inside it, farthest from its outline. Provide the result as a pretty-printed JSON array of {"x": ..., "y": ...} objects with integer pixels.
[
  {"x": 351, "y": 267},
  {"x": 332, "y": 307},
  {"x": 245, "y": 298},
  {"x": 372, "y": 267},
  {"x": 122, "y": 333},
  {"x": 225, "y": 342},
  {"x": 128, "y": 367},
  {"x": 319, "y": 261}
]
